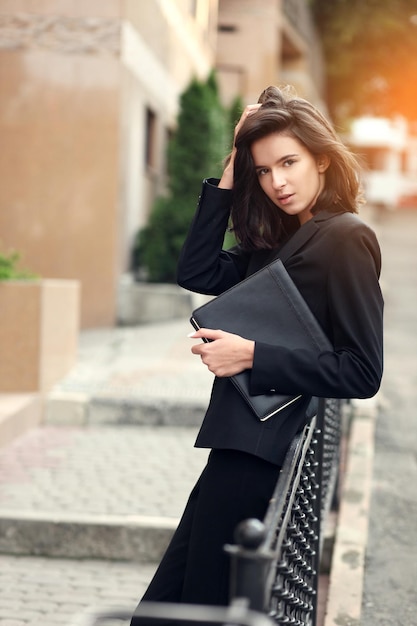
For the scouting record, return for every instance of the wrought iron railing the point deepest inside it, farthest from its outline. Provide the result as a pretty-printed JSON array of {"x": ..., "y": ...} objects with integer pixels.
[{"x": 275, "y": 563}]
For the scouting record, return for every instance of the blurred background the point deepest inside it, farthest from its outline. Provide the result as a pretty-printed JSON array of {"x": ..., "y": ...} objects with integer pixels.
[{"x": 112, "y": 111}]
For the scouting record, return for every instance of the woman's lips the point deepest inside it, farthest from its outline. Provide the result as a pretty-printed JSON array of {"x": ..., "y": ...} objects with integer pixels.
[{"x": 285, "y": 199}]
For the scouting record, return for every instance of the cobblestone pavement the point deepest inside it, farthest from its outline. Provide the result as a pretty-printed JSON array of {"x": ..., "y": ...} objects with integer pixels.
[
  {"x": 119, "y": 470},
  {"x": 68, "y": 471},
  {"x": 48, "y": 592}
]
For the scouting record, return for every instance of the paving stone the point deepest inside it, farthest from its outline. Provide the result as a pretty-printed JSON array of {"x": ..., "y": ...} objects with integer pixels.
[
  {"x": 108, "y": 470},
  {"x": 37, "y": 591}
]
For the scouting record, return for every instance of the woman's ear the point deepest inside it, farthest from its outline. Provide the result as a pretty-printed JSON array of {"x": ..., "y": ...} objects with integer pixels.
[{"x": 323, "y": 162}]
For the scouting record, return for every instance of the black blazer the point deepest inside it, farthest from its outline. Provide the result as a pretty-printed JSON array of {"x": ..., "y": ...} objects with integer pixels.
[{"x": 334, "y": 260}]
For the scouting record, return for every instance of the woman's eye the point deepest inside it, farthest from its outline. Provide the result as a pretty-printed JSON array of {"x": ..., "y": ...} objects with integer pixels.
[
  {"x": 262, "y": 171},
  {"x": 288, "y": 162}
]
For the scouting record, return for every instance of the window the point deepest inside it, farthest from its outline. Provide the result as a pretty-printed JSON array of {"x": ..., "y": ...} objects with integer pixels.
[
  {"x": 150, "y": 138},
  {"x": 226, "y": 28}
]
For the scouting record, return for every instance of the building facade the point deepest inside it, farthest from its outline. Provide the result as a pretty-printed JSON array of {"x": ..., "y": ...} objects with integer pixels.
[
  {"x": 89, "y": 97},
  {"x": 264, "y": 42}
]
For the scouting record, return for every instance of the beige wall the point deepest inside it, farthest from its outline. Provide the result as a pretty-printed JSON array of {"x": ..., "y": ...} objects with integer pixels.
[
  {"x": 76, "y": 79},
  {"x": 59, "y": 123},
  {"x": 59, "y": 169}
]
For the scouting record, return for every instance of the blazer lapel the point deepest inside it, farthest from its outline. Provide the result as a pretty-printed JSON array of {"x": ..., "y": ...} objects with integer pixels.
[
  {"x": 260, "y": 258},
  {"x": 303, "y": 234}
]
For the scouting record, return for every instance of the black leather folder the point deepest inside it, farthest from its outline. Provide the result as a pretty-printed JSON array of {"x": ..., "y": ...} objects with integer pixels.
[{"x": 265, "y": 307}]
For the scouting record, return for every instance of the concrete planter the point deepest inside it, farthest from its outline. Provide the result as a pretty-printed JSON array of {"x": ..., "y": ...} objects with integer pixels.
[
  {"x": 39, "y": 327},
  {"x": 144, "y": 303}
]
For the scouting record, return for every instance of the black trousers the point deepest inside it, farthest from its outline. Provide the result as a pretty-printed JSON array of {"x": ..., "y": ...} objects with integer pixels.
[{"x": 233, "y": 486}]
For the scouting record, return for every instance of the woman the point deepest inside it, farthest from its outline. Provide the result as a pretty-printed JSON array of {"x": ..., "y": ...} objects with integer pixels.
[{"x": 289, "y": 181}]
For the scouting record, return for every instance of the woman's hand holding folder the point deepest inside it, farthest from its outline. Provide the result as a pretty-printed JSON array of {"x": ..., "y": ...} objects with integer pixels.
[{"x": 225, "y": 354}]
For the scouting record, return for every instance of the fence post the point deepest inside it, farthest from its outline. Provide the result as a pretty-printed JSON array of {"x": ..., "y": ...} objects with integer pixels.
[{"x": 250, "y": 566}]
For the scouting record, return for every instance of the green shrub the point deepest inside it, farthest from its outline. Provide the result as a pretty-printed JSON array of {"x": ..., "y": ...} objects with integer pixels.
[
  {"x": 10, "y": 270},
  {"x": 160, "y": 242},
  {"x": 233, "y": 116},
  {"x": 196, "y": 150}
]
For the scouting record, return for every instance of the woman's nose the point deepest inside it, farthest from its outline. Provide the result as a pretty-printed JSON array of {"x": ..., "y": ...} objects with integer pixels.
[{"x": 278, "y": 180}]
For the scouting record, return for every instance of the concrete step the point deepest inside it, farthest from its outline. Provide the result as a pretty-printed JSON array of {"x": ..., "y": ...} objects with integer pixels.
[
  {"x": 111, "y": 537},
  {"x": 80, "y": 409},
  {"x": 141, "y": 539},
  {"x": 133, "y": 375}
]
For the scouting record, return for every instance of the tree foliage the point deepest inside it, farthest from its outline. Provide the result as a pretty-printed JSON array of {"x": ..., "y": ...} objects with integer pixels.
[
  {"x": 195, "y": 151},
  {"x": 370, "y": 49}
]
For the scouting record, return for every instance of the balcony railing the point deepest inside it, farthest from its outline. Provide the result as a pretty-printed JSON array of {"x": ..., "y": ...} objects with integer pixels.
[{"x": 299, "y": 15}]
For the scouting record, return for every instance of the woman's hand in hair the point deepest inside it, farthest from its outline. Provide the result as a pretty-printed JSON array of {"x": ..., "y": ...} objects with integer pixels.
[
  {"x": 226, "y": 181},
  {"x": 225, "y": 354}
]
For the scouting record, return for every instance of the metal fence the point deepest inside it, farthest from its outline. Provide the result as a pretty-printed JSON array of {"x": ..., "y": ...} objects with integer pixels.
[{"x": 275, "y": 563}]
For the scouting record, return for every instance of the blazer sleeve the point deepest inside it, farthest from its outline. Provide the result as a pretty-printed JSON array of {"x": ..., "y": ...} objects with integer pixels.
[
  {"x": 203, "y": 266},
  {"x": 355, "y": 311}
]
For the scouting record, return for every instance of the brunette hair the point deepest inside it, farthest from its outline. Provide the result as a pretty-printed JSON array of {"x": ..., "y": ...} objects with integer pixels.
[{"x": 257, "y": 222}]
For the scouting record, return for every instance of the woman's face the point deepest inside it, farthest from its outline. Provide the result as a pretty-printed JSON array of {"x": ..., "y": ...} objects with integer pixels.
[{"x": 289, "y": 174}]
